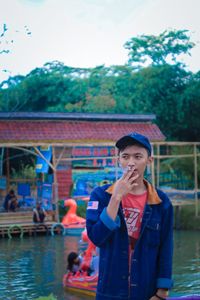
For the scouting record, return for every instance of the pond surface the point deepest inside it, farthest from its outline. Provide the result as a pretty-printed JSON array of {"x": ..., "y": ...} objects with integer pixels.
[{"x": 34, "y": 266}]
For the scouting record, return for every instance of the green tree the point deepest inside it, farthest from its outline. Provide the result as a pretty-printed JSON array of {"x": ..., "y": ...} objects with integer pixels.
[
  {"x": 190, "y": 122},
  {"x": 158, "y": 90},
  {"x": 158, "y": 50},
  {"x": 100, "y": 104},
  {"x": 44, "y": 89}
]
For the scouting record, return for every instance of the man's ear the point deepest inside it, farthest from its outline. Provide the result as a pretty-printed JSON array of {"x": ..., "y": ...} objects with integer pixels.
[{"x": 150, "y": 160}]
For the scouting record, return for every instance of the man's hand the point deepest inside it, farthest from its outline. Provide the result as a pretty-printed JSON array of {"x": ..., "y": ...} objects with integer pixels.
[
  {"x": 125, "y": 184},
  {"x": 162, "y": 293},
  {"x": 122, "y": 187}
]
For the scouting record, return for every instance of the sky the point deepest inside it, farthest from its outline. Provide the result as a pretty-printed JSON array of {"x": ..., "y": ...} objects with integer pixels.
[{"x": 87, "y": 33}]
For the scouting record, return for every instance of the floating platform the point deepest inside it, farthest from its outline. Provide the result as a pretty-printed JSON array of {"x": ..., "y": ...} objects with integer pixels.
[
  {"x": 20, "y": 223},
  {"x": 10, "y": 230}
]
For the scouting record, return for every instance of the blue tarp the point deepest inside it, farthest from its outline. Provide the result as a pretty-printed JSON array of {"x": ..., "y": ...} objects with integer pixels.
[{"x": 41, "y": 165}]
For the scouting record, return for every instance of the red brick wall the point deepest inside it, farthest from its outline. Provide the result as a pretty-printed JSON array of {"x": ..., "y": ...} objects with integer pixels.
[{"x": 64, "y": 180}]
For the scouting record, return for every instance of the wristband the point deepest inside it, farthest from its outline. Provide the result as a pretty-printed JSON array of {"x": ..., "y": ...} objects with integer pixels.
[{"x": 160, "y": 297}]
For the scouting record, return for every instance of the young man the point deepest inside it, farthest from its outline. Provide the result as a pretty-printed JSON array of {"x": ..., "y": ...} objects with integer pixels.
[
  {"x": 132, "y": 224},
  {"x": 39, "y": 214}
]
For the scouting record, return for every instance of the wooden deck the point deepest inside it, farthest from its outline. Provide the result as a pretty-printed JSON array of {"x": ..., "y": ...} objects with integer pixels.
[
  {"x": 20, "y": 223},
  {"x": 178, "y": 202}
]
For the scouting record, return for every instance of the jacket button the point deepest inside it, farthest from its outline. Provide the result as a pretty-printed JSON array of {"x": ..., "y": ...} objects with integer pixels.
[{"x": 124, "y": 277}]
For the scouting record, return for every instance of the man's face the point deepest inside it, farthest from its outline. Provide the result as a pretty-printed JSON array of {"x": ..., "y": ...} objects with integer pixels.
[{"x": 135, "y": 158}]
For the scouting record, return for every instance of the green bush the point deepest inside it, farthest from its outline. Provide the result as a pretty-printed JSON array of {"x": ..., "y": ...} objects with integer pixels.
[{"x": 26, "y": 172}]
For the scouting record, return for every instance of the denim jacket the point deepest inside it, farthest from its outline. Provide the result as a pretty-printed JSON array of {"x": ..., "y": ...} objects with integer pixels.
[{"x": 151, "y": 261}]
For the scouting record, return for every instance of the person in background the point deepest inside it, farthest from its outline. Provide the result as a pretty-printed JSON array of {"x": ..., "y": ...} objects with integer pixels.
[
  {"x": 74, "y": 262},
  {"x": 132, "y": 224},
  {"x": 39, "y": 214},
  {"x": 11, "y": 202}
]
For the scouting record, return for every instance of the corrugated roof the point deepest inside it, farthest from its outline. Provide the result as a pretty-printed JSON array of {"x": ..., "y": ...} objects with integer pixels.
[
  {"x": 73, "y": 131},
  {"x": 76, "y": 116}
]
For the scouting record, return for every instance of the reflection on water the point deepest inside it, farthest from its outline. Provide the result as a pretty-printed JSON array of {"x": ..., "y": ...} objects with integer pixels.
[
  {"x": 33, "y": 267},
  {"x": 187, "y": 262}
]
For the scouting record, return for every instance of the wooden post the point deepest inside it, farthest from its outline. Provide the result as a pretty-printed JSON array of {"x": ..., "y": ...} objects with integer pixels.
[
  {"x": 7, "y": 169},
  {"x": 116, "y": 164},
  {"x": 153, "y": 171},
  {"x": 158, "y": 166},
  {"x": 55, "y": 185},
  {"x": 177, "y": 217},
  {"x": 195, "y": 180},
  {"x": 1, "y": 161}
]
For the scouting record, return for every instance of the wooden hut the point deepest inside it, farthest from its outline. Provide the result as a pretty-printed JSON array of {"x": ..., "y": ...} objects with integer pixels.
[{"x": 28, "y": 132}]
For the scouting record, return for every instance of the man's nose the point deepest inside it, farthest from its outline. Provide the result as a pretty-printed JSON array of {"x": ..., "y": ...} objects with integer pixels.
[{"x": 131, "y": 162}]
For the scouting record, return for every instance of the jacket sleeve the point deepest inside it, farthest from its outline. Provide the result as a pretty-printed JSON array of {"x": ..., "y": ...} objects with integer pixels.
[
  {"x": 164, "y": 279},
  {"x": 100, "y": 226}
]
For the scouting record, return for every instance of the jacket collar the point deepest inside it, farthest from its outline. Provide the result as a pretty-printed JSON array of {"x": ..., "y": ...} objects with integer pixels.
[{"x": 153, "y": 197}]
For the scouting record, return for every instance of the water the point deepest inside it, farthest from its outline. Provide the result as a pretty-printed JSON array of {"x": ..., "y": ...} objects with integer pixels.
[
  {"x": 186, "y": 263},
  {"x": 33, "y": 267}
]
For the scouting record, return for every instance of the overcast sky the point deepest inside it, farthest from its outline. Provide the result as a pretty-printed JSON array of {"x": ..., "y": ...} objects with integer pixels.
[{"x": 87, "y": 33}]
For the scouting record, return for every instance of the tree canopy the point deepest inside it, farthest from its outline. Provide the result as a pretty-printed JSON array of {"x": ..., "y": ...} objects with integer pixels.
[
  {"x": 158, "y": 50},
  {"x": 163, "y": 87}
]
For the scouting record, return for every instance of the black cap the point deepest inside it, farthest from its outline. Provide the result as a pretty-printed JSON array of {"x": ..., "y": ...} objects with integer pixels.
[{"x": 137, "y": 137}]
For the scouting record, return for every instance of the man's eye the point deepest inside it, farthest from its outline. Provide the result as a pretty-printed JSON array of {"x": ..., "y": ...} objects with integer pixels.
[
  {"x": 138, "y": 156},
  {"x": 125, "y": 157}
]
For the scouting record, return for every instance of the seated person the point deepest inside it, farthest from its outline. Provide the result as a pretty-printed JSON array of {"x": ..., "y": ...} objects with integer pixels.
[
  {"x": 11, "y": 202},
  {"x": 74, "y": 262},
  {"x": 39, "y": 214}
]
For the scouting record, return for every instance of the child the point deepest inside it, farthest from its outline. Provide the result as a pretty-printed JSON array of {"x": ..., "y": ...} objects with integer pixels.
[{"x": 74, "y": 262}]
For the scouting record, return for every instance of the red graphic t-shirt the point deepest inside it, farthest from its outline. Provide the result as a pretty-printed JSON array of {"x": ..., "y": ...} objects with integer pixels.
[{"x": 133, "y": 208}]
